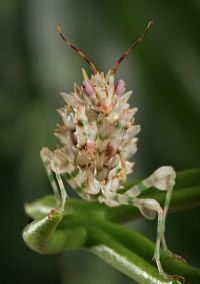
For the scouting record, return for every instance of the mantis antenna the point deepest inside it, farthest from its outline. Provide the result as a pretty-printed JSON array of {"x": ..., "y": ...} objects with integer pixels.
[
  {"x": 93, "y": 68},
  {"x": 126, "y": 53}
]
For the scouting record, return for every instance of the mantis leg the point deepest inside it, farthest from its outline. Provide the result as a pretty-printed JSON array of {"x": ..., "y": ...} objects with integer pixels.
[
  {"x": 44, "y": 235},
  {"x": 48, "y": 161},
  {"x": 162, "y": 179},
  {"x": 62, "y": 190}
]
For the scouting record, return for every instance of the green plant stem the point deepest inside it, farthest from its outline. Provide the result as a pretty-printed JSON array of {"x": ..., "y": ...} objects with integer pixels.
[
  {"x": 115, "y": 253},
  {"x": 127, "y": 250},
  {"x": 140, "y": 249}
]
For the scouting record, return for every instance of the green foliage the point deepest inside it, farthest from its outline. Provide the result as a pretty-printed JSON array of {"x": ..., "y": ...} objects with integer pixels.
[{"x": 96, "y": 228}]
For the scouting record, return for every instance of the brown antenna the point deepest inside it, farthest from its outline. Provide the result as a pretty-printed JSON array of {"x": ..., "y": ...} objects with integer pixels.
[
  {"x": 94, "y": 70},
  {"x": 126, "y": 53}
]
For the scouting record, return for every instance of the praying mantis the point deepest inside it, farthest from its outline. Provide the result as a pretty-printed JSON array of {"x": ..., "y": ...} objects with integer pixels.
[{"x": 97, "y": 138}]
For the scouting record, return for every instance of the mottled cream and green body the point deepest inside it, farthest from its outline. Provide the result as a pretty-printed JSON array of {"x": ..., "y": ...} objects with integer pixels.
[
  {"x": 97, "y": 140},
  {"x": 97, "y": 137}
]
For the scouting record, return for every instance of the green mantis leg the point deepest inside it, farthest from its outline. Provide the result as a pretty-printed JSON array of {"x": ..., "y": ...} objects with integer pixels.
[
  {"x": 62, "y": 190},
  {"x": 47, "y": 160},
  {"x": 162, "y": 179}
]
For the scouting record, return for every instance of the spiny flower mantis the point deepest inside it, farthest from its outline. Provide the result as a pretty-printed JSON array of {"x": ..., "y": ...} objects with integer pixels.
[{"x": 97, "y": 139}]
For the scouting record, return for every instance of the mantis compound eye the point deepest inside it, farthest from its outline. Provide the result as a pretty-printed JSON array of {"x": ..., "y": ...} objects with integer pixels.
[
  {"x": 87, "y": 88},
  {"x": 120, "y": 88}
]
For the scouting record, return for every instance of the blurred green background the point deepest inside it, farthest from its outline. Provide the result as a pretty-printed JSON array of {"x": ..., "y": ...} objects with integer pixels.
[{"x": 164, "y": 72}]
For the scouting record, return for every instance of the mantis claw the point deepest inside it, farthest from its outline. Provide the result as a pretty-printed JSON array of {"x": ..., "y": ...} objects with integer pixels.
[
  {"x": 51, "y": 213},
  {"x": 177, "y": 278}
]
